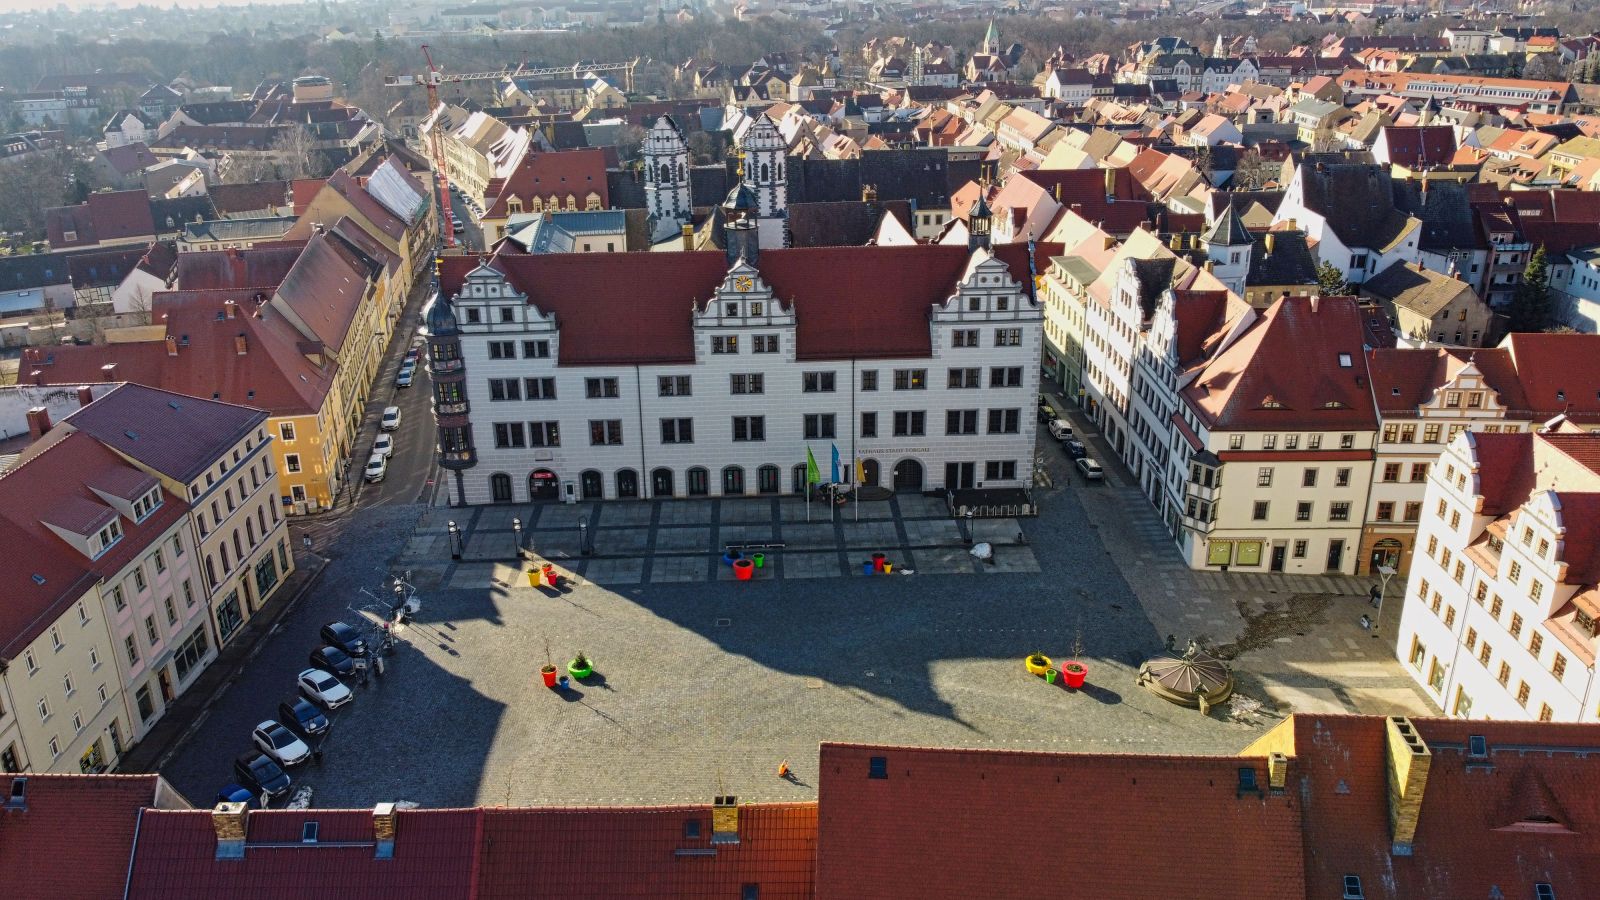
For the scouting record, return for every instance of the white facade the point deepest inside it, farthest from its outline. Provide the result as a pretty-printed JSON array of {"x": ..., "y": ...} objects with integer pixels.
[
  {"x": 653, "y": 430},
  {"x": 1490, "y": 627}
]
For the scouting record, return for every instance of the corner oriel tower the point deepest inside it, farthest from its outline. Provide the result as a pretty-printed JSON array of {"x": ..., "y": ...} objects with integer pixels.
[
  {"x": 765, "y": 158},
  {"x": 1228, "y": 246},
  {"x": 666, "y": 178}
]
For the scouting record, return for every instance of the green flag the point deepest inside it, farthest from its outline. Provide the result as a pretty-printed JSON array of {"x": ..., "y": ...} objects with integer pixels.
[{"x": 813, "y": 476}]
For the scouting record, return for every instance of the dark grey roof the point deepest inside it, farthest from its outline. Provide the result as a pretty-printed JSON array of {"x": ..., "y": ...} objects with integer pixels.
[
  {"x": 1290, "y": 261},
  {"x": 175, "y": 434},
  {"x": 1357, "y": 202},
  {"x": 31, "y": 271},
  {"x": 181, "y": 210},
  {"x": 1445, "y": 209},
  {"x": 1154, "y": 277},
  {"x": 1228, "y": 230}
]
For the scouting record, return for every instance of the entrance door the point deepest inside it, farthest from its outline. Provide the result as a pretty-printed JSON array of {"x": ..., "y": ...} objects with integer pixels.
[
  {"x": 960, "y": 476},
  {"x": 1335, "y": 555},
  {"x": 1384, "y": 553},
  {"x": 1278, "y": 553},
  {"x": 166, "y": 686},
  {"x": 593, "y": 485},
  {"x": 500, "y": 487},
  {"x": 908, "y": 475},
  {"x": 543, "y": 485},
  {"x": 661, "y": 483},
  {"x": 627, "y": 483},
  {"x": 869, "y": 473}
]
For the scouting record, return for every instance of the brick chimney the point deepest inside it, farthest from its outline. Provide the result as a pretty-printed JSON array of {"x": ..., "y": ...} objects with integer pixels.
[
  {"x": 85, "y": 395},
  {"x": 229, "y": 821},
  {"x": 172, "y": 345},
  {"x": 109, "y": 370},
  {"x": 1315, "y": 299},
  {"x": 232, "y": 308},
  {"x": 688, "y": 237},
  {"x": 383, "y": 829},
  {"x": 1408, "y": 762},
  {"x": 38, "y": 422},
  {"x": 240, "y": 345},
  {"x": 725, "y": 820},
  {"x": 1277, "y": 771}
]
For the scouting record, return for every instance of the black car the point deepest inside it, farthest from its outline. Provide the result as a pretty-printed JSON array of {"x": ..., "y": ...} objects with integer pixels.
[
  {"x": 1075, "y": 448},
  {"x": 345, "y": 637},
  {"x": 303, "y": 716},
  {"x": 333, "y": 660},
  {"x": 259, "y": 773}
]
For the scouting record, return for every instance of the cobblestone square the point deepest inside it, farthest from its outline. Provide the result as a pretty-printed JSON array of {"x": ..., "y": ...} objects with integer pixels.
[{"x": 705, "y": 683}]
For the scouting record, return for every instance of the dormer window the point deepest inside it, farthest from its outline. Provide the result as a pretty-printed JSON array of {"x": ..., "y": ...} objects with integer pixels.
[
  {"x": 147, "y": 504},
  {"x": 105, "y": 537},
  {"x": 1345, "y": 361}
]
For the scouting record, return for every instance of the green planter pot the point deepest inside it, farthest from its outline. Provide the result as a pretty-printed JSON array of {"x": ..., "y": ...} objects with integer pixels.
[
  {"x": 760, "y": 559},
  {"x": 580, "y": 673}
]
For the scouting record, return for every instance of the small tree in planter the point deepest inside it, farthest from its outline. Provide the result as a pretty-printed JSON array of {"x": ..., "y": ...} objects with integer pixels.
[
  {"x": 581, "y": 666},
  {"x": 548, "y": 670},
  {"x": 1074, "y": 672},
  {"x": 1037, "y": 663}
]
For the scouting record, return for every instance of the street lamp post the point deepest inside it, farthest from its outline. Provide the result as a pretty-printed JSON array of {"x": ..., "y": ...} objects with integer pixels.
[
  {"x": 516, "y": 528},
  {"x": 455, "y": 548},
  {"x": 1384, "y": 574},
  {"x": 583, "y": 538}
]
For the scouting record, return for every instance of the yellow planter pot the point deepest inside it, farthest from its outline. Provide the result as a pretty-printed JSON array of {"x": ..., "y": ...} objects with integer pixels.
[{"x": 1038, "y": 670}]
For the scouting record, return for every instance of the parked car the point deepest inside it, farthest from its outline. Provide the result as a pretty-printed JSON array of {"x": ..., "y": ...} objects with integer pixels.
[
  {"x": 345, "y": 637},
  {"x": 258, "y": 773},
  {"x": 280, "y": 743},
  {"x": 384, "y": 444},
  {"x": 377, "y": 467},
  {"x": 1060, "y": 429},
  {"x": 1091, "y": 470},
  {"x": 456, "y": 227},
  {"x": 403, "y": 380},
  {"x": 391, "y": 418},
  {"x": 321, "y": 687},
  {"x": 333, "y": 660},
  {"x": 303, "y": 716},
  {"x": 1075, "y": 448},
  {"x": 237, "y": 793}
]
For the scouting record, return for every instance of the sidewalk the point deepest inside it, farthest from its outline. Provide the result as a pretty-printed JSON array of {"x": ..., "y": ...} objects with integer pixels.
[{"x": 186, "y": 712}]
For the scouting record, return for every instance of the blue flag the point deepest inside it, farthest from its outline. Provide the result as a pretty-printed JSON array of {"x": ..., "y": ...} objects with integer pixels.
[{"x": 835, "y": 463}]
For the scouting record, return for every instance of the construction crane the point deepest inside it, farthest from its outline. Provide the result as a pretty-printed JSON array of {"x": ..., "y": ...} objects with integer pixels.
[{"x": 432, "y": 78}]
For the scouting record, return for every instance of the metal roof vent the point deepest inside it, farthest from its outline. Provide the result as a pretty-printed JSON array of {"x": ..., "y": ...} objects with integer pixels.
[
  {"x": 37, "y": 578},
  {"x": 19, "y": 795}
]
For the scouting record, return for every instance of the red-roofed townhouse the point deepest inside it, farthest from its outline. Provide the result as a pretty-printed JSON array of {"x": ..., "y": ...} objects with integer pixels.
[
  {"x": 580, "y": 374},
  {"x": 220, "y": 457},
  {"x": 72, "y": 835},
  {"x": 1278, "y": 442},
  {"x": 1501, "y": 609},
  {"x": 101, "y": 632},
  {"x": 565, "y": 180},
  {"x": 391, "y": 206}
]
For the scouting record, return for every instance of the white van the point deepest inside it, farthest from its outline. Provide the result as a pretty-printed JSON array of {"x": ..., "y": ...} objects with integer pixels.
[{"x": 1059, "y": 429}]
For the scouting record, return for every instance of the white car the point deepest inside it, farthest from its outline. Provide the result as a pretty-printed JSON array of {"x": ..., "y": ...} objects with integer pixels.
[
  {"x": 323, "y": 688},
  {"x": 391, "y": 419},
  {"x": 1091, "y": 470},
  {"x": 377, "y": 467},
  {"x": 280, "y": 743},
  {"x": 1060, "y": 429},
  {"x": 384, "y": 444}
]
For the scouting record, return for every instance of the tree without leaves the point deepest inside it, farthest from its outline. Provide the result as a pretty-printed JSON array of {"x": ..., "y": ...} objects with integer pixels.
[
  {"x": 1530, "y": 306},
  {"x": 1254, "y": 172}
]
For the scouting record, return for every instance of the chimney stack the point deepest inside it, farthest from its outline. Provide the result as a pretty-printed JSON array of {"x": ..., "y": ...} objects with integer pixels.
[
  {"x": 725, "y": 820},
  {"x": 1272, "y": 242},
  {"x": 37, "y": 375},
  {"x": 172, "y": 345},
  {"x": 109, "y": 370},
  {"x": 1409, "y": 760},
  {"x": 85, "y": 395},
  {"x": 1277, "y": 771},
  {"x": 1314, "y": 301},
  {"x": 688, "y": 237},
  {"x": 38, "y": 422},
  {"x": 869, "y": 193},
  {"x": 240, "y": 345},
  {"x": 232, "y": 309},
  {"x": 1111, "y": 183},
  {"x": 229, "y": 821},
  {"x": 383, "y": 829}
]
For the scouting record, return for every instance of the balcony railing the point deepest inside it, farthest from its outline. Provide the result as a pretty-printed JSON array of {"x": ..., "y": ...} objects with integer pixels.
[
  {"x": 455, "y": 408},
  {"x": 444, "y": 366}
]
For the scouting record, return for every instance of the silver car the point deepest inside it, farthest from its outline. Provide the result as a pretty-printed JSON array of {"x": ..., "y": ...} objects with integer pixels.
[{"x": 280, "y": 743}]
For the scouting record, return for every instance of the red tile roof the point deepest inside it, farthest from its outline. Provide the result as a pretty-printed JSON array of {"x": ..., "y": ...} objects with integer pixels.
[
  {"x": 1423, "y": 145},
  {"x": 51, "y": 483},
  {"x": 303, "y": 190},
  {"x": 1405, "y": 378},
  {"x": 1505, "y": 470},
  {"x": 576, "y": 854},
  {"x": 1287, "y": 368},
  {"x": 257, "y": 267},
  {"x": 865, "y": 302},
  {"x": 176, "y": 435},
  {"x": 989, "y": 823},
  {"x": 325, "y": 288},
  {"x": 435, "y": 855},
  {"x": 121, "y": 214},
  {"x": 130, "y": 158},
  {"x": 1559, "y": 373},
  {"x": 236, "y": 199},
  {"x": 273, "y": 374},
  {"x": 75, "y": 838},
  {"x": 543, "y": 175}
]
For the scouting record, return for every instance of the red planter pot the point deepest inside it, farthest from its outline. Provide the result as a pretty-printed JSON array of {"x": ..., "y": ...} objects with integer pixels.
[
  {"x": 1074, "y": 673},
  {"x": 744, "y": 569},
  {"x": 549, "y": 674}
]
